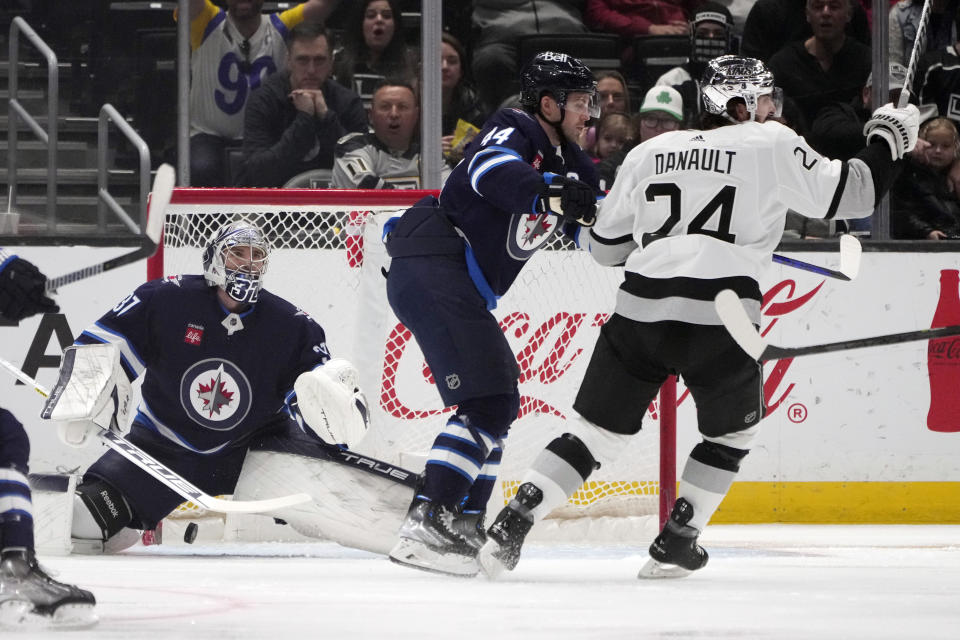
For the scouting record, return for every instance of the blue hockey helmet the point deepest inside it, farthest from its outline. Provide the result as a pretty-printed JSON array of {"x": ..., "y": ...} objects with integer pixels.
[
  {"x": 235, "y": 259},
  {"x": 558, "y": 75}
]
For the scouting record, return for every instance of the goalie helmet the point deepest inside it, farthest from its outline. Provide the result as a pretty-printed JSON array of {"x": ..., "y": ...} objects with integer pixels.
[
  {"x": 243, "y": 244},
  {"x": 733, "y": 77},
  {"x": 558, "y": 75}
]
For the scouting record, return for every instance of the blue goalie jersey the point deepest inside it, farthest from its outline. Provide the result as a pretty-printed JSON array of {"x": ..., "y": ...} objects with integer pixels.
[
  {"x": 206, "y": 388},
  {"x": 492, "y": 194}
]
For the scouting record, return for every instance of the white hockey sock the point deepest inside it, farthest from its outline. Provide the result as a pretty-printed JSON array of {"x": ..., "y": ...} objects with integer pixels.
[{"x": 556, "y": 478}]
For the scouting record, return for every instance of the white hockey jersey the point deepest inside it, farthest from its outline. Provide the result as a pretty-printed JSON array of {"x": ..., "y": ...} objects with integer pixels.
[
  {"x": 693, "y": 212},
  {"x": 225, "y": 67}
]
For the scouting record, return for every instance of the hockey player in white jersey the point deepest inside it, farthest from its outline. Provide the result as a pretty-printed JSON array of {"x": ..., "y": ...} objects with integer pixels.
[{"x": 693, "y": 213}]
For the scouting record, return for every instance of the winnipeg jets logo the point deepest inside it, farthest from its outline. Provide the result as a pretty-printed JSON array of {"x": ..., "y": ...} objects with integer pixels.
[
  {"x": 536, "y": 228},
  {"x": 528, "y": 232},
  {"x": 215, "y": 394}
]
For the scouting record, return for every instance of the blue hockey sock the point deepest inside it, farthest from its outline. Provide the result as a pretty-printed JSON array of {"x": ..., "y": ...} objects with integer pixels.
[
  {"x": 457, "y": 455},
  {"x": 16, "y": 510},
  {"x": 483, "y": 486}
]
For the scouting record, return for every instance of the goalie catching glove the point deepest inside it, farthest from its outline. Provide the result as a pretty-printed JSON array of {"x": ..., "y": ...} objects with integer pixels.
[
  {"x": 330, "y": 403},
  {"x": 899, "y": 128},
  {"x": 568, "y": 198},
  {"x": 92, "y": 393}
]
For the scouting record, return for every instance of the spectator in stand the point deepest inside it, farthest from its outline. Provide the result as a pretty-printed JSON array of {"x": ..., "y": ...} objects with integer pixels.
[
  {"x": 937, "y": 81},
  {"x": 374, "y": 45},
  {"x": 295, "y": 118},
  {"x": 613, "y": 95},
  {"x": 711, "y": 36},
  {"x": 827, "y": 67},
  {"x": 460, "y": 101},
  {"x": 771, "y": 24},
  {"x": 389, "y": 156},
  {"x": 662, "y": 111},
  {"x": 496, "y": 59},
  {"x": 639, "y": 17},
  {"x": 615, "y": 131},
  {"x": 923, "y": 204},
  {"x": 837, "y": 131},
  {"x": 905, "y": 19},
  {"x": 233, "y": 51}
]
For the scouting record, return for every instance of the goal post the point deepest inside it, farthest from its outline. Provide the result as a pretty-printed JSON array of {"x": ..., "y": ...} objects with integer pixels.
[{"x": 329, "y": 260}]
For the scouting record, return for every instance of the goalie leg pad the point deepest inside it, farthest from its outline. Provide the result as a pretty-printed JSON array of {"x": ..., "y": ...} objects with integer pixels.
[{"x": 105, "y": 506}]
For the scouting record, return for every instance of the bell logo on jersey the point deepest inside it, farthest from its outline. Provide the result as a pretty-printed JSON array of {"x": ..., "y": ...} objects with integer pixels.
[
  {"x": 194, "y": 334},
  {"x": 215, "y": 394}
]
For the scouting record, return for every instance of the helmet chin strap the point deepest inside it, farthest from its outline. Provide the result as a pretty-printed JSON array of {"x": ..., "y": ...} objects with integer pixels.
[{"x": 558, "y": 125}]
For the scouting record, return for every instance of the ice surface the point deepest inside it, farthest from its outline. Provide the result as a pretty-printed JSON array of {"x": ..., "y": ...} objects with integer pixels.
[{"x": 763, "y": 581}]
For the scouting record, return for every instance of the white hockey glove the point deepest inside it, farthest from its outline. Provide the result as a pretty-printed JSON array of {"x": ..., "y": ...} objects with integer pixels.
[
  {"x": 899, "y": 128},
  {"x": 92, "y": 393},
  {"x": 331, "y": 404}
]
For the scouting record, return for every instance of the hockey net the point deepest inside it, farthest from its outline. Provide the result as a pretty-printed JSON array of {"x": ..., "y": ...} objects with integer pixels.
[{"x": 328, "y": 259}]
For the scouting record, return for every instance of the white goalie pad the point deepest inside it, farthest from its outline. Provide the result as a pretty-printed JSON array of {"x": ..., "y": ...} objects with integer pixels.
[
  {"x": 357, "y": 508},
  {"x": 331, "y": 403},
  {"x": 92, "y": 390},
  {"x": 52, "y": 497}
]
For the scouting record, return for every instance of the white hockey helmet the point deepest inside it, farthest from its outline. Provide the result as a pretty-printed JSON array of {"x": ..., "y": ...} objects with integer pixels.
[
  {"x": 731, "y": 77},
  {"x": 243, "y": 284}
]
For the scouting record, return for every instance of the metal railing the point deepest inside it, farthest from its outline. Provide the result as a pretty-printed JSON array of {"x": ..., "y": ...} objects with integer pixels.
[
  {"x": 14, "y": 109},
  {"x": 104, "y": 200}
]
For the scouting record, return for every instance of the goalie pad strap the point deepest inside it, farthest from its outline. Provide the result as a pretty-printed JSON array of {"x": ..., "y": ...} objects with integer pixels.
[{"x": 106, "y": 504}]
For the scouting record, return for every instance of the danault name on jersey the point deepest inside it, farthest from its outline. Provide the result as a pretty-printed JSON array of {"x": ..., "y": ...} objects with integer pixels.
[{"x": 714, "y": 160}]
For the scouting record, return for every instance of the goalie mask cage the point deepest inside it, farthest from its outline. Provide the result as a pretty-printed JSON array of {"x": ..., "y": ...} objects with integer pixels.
[{"x": 328, "y": 259}]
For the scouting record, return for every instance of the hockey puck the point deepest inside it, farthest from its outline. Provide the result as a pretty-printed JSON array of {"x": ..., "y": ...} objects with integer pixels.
[{"x": 191, "y": 533}]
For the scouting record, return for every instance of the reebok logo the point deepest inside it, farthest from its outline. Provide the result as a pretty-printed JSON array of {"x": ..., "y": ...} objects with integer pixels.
[{"x": 107, "y": 501}]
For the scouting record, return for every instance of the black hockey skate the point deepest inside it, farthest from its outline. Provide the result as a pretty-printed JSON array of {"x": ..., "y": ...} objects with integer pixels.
[
  {"x": 507, "y": 533},
  {"x": 675, "y": 552},
  {"x": 31, "y": 598},
  {"x": 470, "y": 526},
  {"x": 429, "y": 540}
]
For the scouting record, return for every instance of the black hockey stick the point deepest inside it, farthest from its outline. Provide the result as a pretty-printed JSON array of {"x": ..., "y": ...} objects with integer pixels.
[
  {"x": 919, "y": 44},
  {"x": 168, "y": 476},
  {"x": 735, "y": 319},
  {"x": 850, "y": 252},
  {"x": 159, "y": 199}
]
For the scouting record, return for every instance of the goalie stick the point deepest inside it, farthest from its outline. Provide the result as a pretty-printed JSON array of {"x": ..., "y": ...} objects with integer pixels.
[
  {"x": 168, "y": 476},
  {"x": 159, "y": 199},
  {"x": 735, "y": 319}
]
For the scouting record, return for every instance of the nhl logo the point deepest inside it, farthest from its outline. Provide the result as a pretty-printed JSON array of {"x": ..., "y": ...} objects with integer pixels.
[{"x": 453, "y": 381}]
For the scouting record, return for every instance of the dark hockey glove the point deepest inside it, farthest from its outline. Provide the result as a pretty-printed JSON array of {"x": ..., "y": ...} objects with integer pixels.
[
  {"x": 22, "y": 290},
  {"x": 569, "y": 198}
]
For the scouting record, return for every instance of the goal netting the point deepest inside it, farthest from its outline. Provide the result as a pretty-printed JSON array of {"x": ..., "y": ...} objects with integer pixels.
[{"x": 328, "y": 259}]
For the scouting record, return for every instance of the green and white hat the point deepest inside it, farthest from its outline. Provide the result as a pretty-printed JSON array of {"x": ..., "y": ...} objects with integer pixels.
[{"x": 663, "y": 98}]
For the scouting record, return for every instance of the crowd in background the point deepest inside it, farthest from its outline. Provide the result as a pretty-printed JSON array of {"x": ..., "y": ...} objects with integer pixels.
[{"x": 326, "y": 93}]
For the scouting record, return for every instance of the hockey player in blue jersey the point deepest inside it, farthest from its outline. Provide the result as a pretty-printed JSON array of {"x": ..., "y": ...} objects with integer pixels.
[
  {"x": 219, "y": 357},
  {"x": 452, "y": 260},
  {"x": 28, "y": 596}
]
